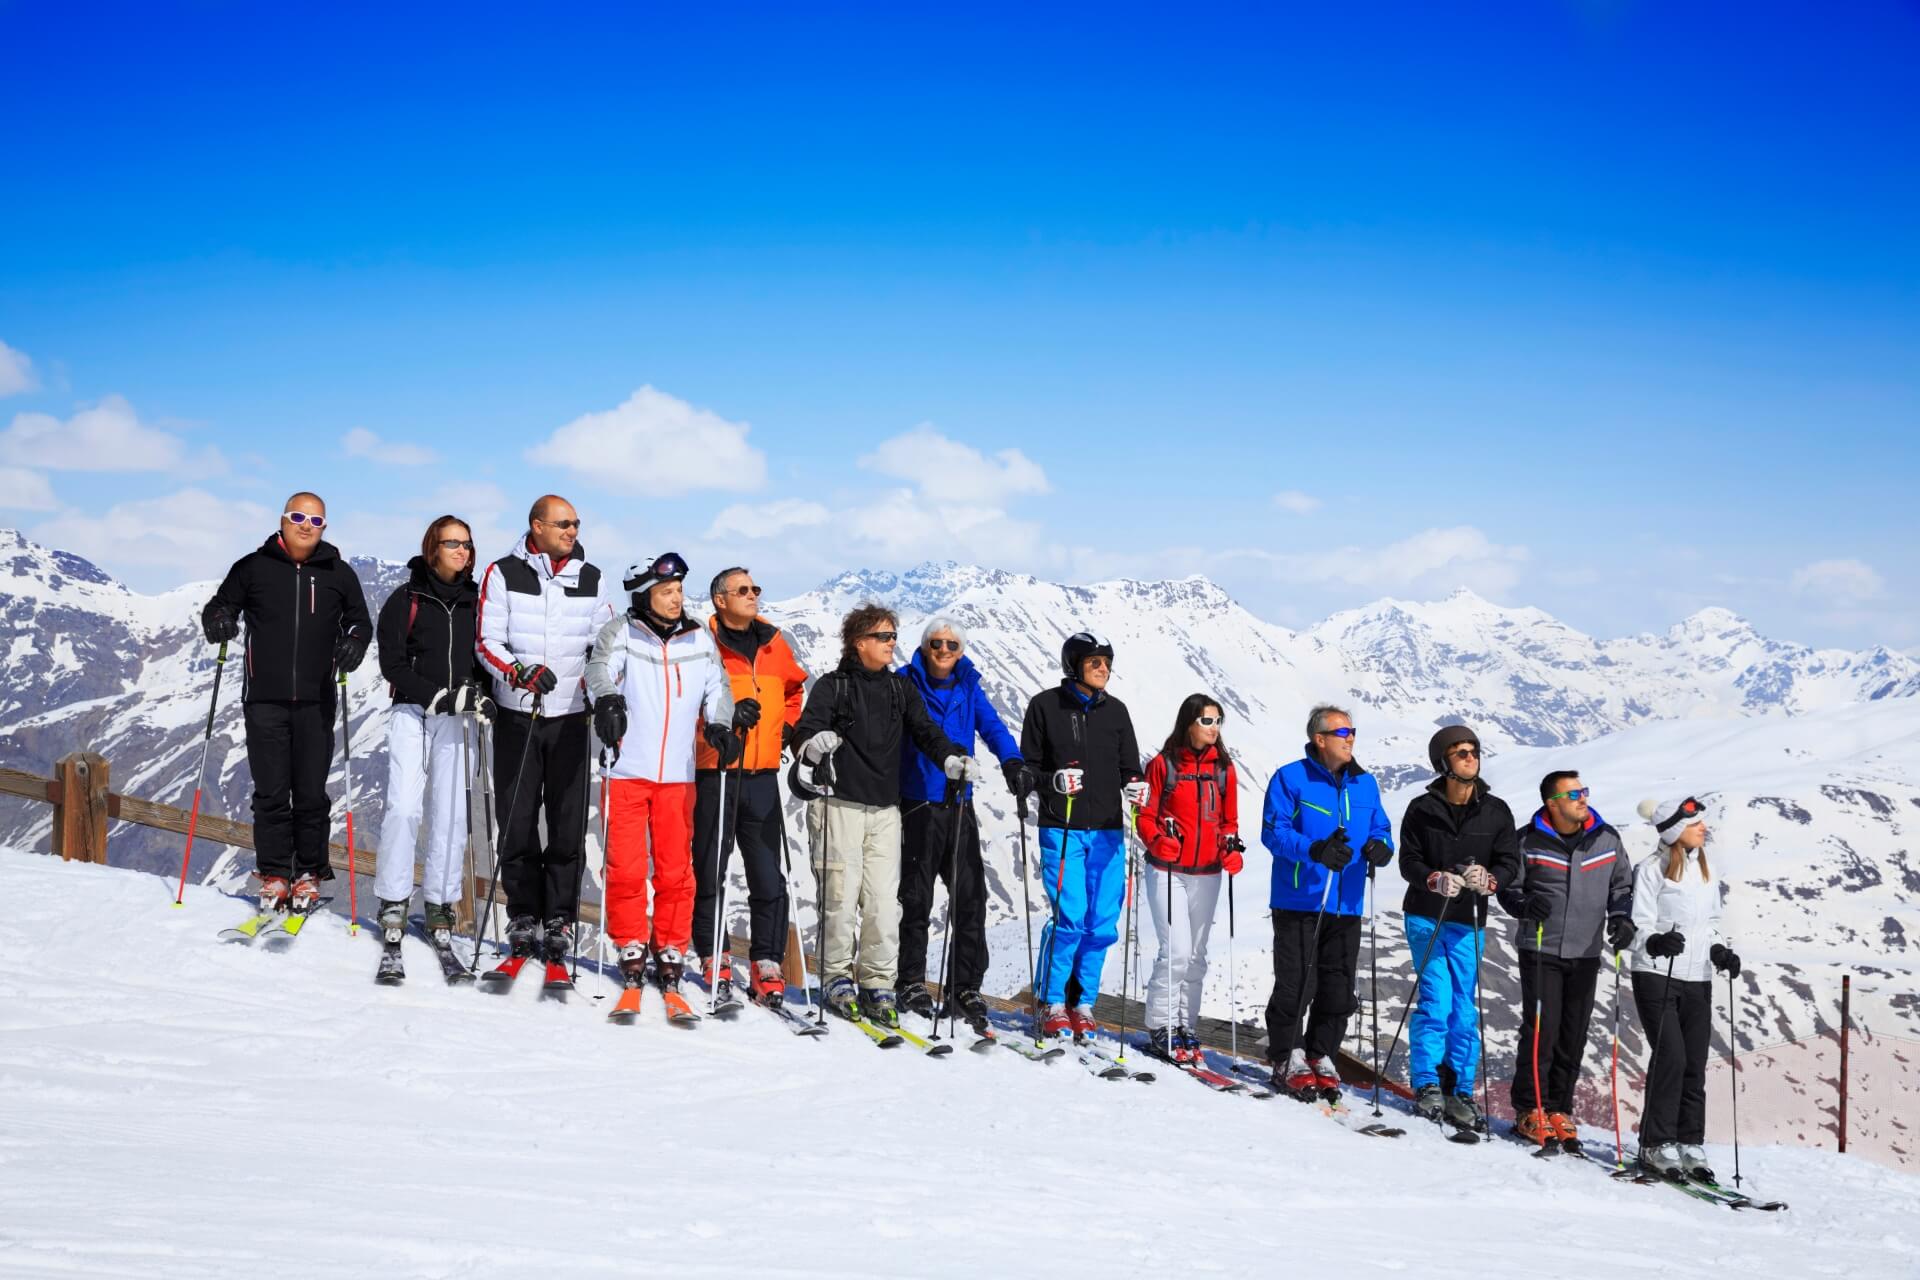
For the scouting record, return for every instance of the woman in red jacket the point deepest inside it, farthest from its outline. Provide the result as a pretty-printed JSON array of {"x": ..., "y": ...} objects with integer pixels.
[{"x": 1190, "y": 826}]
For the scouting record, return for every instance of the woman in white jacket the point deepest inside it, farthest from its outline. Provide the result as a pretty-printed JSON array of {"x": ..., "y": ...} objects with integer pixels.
[{"x": 1678, "y": 944}]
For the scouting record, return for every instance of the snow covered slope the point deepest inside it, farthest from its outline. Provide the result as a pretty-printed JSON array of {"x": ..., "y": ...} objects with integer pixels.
[{"x": 172, "y": 1106}]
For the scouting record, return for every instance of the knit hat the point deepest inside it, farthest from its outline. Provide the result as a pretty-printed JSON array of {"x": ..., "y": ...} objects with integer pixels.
[
  {"x": 1446, "y": 740},
  {"x": 1671, "y": 817}
]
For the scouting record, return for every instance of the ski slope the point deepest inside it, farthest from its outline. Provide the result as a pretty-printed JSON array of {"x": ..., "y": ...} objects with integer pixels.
[{"x": 172, "y": 1106}]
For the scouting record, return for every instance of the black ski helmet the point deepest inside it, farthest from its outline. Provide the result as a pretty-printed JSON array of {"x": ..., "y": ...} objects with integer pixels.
[
  {"x": 642, "y": 578},
  {"x": 1449, "y": 737},
  {"x": 1080, "y": 646}
]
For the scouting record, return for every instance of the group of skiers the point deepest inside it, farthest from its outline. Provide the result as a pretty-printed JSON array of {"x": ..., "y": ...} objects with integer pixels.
[{"x": 692, "y": 721}]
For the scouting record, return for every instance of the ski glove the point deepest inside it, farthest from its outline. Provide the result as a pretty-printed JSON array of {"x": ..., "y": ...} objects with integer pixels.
[
  {"x": 610, "y": 719},
  {"x": 746, "y": 713},
  {"x": 1477, "y": 879},
  {"x": 441, "y": 703},
  {"x": 1332, "y": 852},
  {"x": 468, "y": 698},
  {"x": 1020, "y": 780},
  {"x": 962, "y": 769},
  {"x": 1620, "y": 932},
  {"x": 1666, "y": 945},
  {"x": 819, "y": 746},
  {"x": 219, "y": 622},
  {"x": 1170, "y": 827},
  {"x": 1724, "y": 960},
  {"x": 1378, "y": 853},
  {"x": 534, "y": 679},
  {"x": 1232, "y": 860},
  {"x": 1535, "y": 907},
  {"x": 1445, "y": 883},
  {"x": 348, "y": 651},
  {"x": 724, "y": 741},
  {"x": 1137, "y": 793},
  {"x": 1067, "y": 782}
]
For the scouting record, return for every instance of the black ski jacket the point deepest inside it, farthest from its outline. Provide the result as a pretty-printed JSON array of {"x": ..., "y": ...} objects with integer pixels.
[
  {"x": 427, "y": 632},
  {"x": 872, "y": 711},
  {"x": 1437, "y": 836},
  {"x": 1586, "y": 879},
  {"x": 294, "y": 613},
  {"x": 1063, "y": 730}
]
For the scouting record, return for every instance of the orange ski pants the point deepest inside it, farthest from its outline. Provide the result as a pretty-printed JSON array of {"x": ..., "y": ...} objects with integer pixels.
[{"x": 650, "y": 818}]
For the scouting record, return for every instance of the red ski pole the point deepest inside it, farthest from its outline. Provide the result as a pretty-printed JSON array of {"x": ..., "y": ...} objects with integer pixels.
[
  {"x": 200, "y": 779},
  {"x": 346, "y": 760}
]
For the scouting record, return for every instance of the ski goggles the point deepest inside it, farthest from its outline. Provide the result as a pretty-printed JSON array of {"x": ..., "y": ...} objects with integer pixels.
[
  {"x": 301, "y": 517},
  {"x": 1580, "y": 794},
  {"x": 1690, "y": 810}
]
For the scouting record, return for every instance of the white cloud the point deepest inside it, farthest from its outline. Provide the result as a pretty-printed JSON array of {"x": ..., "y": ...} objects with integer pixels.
[
  {"x": 948, "y": 471},
  {"x": 107, "y": 436},
  {"x": 758, "y": 521},
  {"x": 362, "y": 443},
  {"x": 1841, "y": 584},
  {"x": 657, "y": 445},
  {"x": 393, "y": 532},
  {"x": 1296, "y": 502},
  {"x": 23, "y": 490},
  {"x": 16, "y": 372},
  {"x": 190, "y": 534},
  {"x": 1431, "y": 560}
]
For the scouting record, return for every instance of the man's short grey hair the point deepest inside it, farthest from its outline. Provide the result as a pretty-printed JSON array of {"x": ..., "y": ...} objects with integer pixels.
[
  {"x": 718, "y": 587},
  {"x": 941, "y": 622},
  {"x": 1318, "y": 717}
]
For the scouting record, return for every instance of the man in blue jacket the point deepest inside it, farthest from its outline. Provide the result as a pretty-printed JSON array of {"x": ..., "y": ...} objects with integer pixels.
[
  {"x": 949, "y": 684},
  {"x": 1318, "y": 809}
]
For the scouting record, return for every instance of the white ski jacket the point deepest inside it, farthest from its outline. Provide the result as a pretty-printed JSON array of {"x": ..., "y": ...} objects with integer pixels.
[
  {"x": 1690, "y": 904},
  {"x": 670, "y": 686},
  {"x": 534, "y": 613}
]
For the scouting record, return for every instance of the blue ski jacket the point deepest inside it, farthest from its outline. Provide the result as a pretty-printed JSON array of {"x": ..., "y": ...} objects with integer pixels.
[
  {"x": 958, "y": 708},
  {"x": 1305, "y": 803}
]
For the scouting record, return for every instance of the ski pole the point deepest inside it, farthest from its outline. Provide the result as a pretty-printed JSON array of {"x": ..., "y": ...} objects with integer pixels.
[
  {"x": 483, "y": 765},
  {"x": 1307, "y": 975},
  {"x": 1659, "y": 1031},
  {"x": 200, "y": 779},
  {"x": 1128, "y": 942},
  {"x": 1733, "y": 1079},
  {"x": 720, "y": 895},
  {"x": 346, "y": 764},
  {"x": 1233, "y": 981},
  {"x": 793, "y": 906},
  {"x": 1480, "y": 1030},
  {"x": 946, "y": 920},
  {"x": 505, "y": 831},
  {"x": 1419, "y": 972},
  {"x": 1052, "y": 926},
  {"x": 1619, "y": 1150},
  {"x": 580, "y": 889},
  {"x": 1026, "y": 898},
  {"x": 1539, "y": 1000},
  {"x": 1373, "y": 986},
  {"x": 826, "y": 833}
]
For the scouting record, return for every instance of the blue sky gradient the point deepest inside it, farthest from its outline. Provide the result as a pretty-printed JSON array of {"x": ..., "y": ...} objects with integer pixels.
[{"x": 1610, "y": 308}]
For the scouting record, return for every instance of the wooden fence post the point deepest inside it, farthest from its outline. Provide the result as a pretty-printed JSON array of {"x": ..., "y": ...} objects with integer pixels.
[
  {"x": 1846, "y": 1026},
  {"x": 80, "y": 813}
]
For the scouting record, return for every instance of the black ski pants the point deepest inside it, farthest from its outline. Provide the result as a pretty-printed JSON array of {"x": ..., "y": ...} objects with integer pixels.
[
  {"x": 1316, "y": 982},
  {"x": 289, "y": 750},
  {"x": 753, "y": 824},
  {"x": 1676, "y": 1102},
  {"x": 541, "y": 766},
  {"x": 927, "y": 832},
  {"x": 1561, "y": 991}
]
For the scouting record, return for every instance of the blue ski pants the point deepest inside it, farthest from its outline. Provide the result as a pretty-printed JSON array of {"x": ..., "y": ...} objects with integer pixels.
[
  {"x": 1443, "y": 1028},
  {"x": 1084, "y": 874}
]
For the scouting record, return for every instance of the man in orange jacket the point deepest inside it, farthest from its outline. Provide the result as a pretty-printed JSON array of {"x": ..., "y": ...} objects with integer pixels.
[{"x": 760, "y": 664}]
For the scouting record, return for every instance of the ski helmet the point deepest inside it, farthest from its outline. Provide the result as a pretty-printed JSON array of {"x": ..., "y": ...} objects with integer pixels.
[
  {"x": 1446, "y": 740},
  {"x": 642, "y": 578},
  {"x": 1080, "y": 646}
]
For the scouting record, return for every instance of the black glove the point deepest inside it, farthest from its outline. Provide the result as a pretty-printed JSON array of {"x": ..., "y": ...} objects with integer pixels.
[
  {"x": 786, "y": 735},
  {"x": 1620, "y": 932},
  {"x": 1020, "y": 780},
  {"x": 534, "y": 679},
  {"x": 1535, "y": 907},
  {"x": 610, "y": 719},
  {"x": 1234, "y": 844},
  {"x": 442, "y": 703},
  {"x": 348, "y": 650},
  {"x": 724, "y": 741},
  {"x": 1332, "y": 852},
  {"x": 469, "y": 697},
  {"x": 746, "y": 713},
  {"x": 220, "y": 622},
  {"x": 1377, "y": 852},
  {"x": 1724, "y": 960},
  {"x": 1668, "y": 944}
]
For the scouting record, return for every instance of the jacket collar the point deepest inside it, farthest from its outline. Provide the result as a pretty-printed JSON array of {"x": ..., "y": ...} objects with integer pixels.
[
  {"x": 1349, "y": 771},
  {"x": 1544, "y": 825},
  {"x": 964, "y": 673},
  {"x": 1071, "y": 695},
  {"x": 568, "y": 568},
  {"x": 323, "y": 551},
  {"x": 760, "y": 629},
  {"x": 423, "y": 581}
]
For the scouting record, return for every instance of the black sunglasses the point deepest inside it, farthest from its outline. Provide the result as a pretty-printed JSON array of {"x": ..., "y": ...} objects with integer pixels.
[
  {"x": 746, "y": 591},
  {"x": 456, "y": 544},
  {"x": 887, "y": 636},
  {"x": 562, "y": 524},
  {"x": 943, "y": 646}
]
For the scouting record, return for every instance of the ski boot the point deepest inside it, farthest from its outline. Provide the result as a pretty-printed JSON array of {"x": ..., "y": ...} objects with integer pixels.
[
  {"x": 1161, "y": 1044},
  {"x": 769, "y": 984},
  {"x": 1297, "y": 1078},
  {"x": 719, "y": 978},
  {"x": 1565, "y": 1131},
  {"x": 882, "y": 1009},
  {"x": 520, "y": 941},
  {"x": 973, "y": 1008},
  {"x": 273, "y": 893},
  {"x": 1663, "y": 1161},
  {"x": 1462, "y": 1112},
  {"x": 305, "y": 895},
  {"x": 668, "y": 970},
  {"x": 633, "y": 964},
  {"x": 1055, "y": 1021},
  {"x": 915, "y": 998},
  {"x": 842, "y": 999},
  {"x": 1535, "y": 1127},
  {"x": 559, "y": 939},
  {"x": 1326, "y": 1077},
  {"x": 393, "y": 926},
  {"x": 1186, "y": 1046},
  {"x": 1080, "y": 1018},
  {"x": 1429, "y": 1103},
  {"x": 1693, "y": 1160}
]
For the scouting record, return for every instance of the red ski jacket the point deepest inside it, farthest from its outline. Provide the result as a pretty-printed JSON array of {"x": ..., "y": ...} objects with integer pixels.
[{"x": 1200, "y": 794}]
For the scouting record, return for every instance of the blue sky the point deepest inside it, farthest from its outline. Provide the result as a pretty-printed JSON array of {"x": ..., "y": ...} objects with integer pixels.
[{"x": 1609, "y": 308}]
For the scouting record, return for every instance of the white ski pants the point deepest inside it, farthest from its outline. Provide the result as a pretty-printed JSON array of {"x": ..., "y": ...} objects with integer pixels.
[
  {"x": 427, "y": 772},
  {"x": 1179, "y": 971}
]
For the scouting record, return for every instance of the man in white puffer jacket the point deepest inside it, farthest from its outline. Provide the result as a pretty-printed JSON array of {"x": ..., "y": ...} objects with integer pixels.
[
  {"x": 1677, "y": 945},
  {"x": 539, "y": 609},
  {"x": 654, "y": 676}
]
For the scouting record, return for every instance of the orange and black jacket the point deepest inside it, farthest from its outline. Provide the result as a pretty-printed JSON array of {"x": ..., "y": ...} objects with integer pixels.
[{"x": 760, "y": 665}]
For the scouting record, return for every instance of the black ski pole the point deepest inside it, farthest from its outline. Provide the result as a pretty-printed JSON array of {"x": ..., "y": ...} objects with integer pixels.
[
  {"x": 1373, "y": 986},
  {"x": 1666, "y": 994},
  {"x": 826, "y": 833},
  {"x": 483, "y": 735},
  {"x": 1026, "y": 898},
  {"x": 1233, "y": 981},
  {"x": 1480, "y": 1029},
  {"x": 1733, "y": 1081},
  {"x": 954, "y": 791},
  {"x": 505, "y": 831},
  {"x": 200, "y": 778},
  {"x": 1308, "y": 970},
  {"x": 793, "y": 906},
  {"x": 1406, "y": 1008}
]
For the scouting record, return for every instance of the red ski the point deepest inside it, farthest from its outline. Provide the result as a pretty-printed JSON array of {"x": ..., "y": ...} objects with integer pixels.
[
  {"x": 499, "y": 979},
  {"x": 558, "y": 984}
]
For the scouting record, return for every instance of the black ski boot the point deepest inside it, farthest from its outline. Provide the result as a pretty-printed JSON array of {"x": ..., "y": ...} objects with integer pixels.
[
  {"x": 559, "y": 939},
  {"x": 520, "y": 937},
  {"x": 973, "y": 1008},
  {"x": 915, "y": 998},
  {"x": 1160, "y": 1043},
  {"x": 393, "y": 926},
  {"x": 1430, "y": 1103}
]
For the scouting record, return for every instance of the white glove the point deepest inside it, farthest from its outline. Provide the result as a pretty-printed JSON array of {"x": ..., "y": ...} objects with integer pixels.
[
  {"x": 969, "y": 769},
  {"x": 1477, "y": 879},
  {"x": 1444, "y": 883},
  {"x": 1137, "y": 793},
  {"x": 1067, "y": 782},
  {"x": 820, "y": 746},
  {"x": 805, "y": 779},
  {"x": 444, "y": 703}
]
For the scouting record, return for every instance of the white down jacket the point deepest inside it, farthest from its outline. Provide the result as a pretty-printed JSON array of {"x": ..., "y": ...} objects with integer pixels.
[
  {"x": 534, "y": 613},
  {"x": 1690, "y": 904},
  {"x": 670, "y": 686}
]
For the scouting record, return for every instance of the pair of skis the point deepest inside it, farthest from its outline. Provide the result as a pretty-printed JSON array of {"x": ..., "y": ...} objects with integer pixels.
[
  {"x": 392, "y": 972},
  {"x": 1699, "y": 1189},
  {"x": 1330, "y": 1103},
  {"x": 499, "y": 980},
  {"x": 272, "y": 925}
]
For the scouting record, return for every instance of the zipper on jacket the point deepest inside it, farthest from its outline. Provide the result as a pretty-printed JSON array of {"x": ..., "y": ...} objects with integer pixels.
[
  {"x": 666, "y": 709},
  {"x": 293, "y": 658}
]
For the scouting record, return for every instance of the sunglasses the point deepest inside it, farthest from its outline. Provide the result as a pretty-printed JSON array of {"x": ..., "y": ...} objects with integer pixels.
[
  {"x": 1581, "y": 794},
  {"x": 746, "y": 591},
  {"x": 562, "y": 524},
  {"x": 1209, "y": 721},
  {"x": 1689, "y": 810},
  {"x": 1464, "y": 753},
  {"x": 1103, "y": 663},
  {"x": 301, "y": 517},
  {"x": 885, "y": 637},
  {"x": 1340, "y": 733},
  {"x": 455, "y": 544},
  {"x": 943, "y": 646}
]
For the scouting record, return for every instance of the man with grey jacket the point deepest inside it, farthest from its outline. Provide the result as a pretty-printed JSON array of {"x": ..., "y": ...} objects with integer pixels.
[{"x": 1574, "y": 892}]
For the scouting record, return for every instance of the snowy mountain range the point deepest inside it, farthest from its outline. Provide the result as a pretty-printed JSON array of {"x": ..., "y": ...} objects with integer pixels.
[{"x": 1812, "y": 757}]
